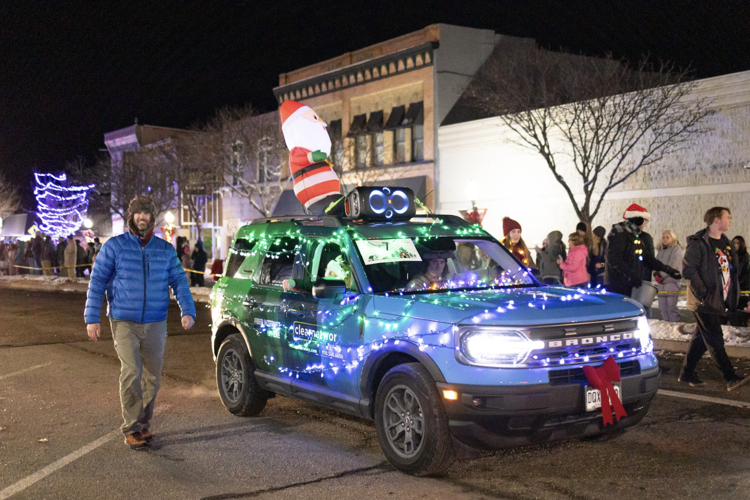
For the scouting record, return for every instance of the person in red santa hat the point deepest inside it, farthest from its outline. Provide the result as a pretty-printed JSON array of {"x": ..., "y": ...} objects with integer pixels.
[
  {"x": 512, "y": 241},
  {"x": 630, "y": 253},
  {"x": 316, "y": 184}
]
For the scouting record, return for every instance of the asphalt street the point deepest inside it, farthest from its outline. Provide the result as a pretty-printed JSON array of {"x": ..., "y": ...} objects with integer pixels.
[{"x": 60, "y": 413}]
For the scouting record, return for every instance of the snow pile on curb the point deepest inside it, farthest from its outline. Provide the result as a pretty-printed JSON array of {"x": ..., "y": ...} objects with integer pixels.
[
  {"x": 666, "y": 330},
  {"x": 44, "y": 279}
]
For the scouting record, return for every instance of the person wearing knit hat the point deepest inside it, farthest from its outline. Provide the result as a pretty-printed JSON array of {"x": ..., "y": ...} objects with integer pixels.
[
  {"x": 136, "y": 271},
  {"x": 142, "y": 217},
  {"x": 316, "y": 184},
  {"x": 513, "y": 241},
  {"x": 630, "y": 253}
]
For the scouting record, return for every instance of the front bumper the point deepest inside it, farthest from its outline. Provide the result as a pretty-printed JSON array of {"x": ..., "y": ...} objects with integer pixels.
[{"x": 535, "y": 414}]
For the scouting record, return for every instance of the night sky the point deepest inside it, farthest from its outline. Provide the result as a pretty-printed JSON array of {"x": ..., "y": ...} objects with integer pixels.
[{"x": 72, "y": 71}]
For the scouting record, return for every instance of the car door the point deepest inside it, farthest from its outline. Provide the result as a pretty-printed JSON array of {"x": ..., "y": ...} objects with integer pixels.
[
  {"x": 264, "y": 305},
  {"x": 323, "y": 331}
]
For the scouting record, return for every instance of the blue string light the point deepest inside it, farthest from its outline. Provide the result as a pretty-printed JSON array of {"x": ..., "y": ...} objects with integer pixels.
[{"x": 60, "y": 207}]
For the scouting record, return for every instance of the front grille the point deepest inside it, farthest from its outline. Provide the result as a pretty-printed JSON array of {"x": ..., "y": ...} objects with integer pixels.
[
  {"x": 584, "y": 343},
  {"x": 576, "y": 375}
]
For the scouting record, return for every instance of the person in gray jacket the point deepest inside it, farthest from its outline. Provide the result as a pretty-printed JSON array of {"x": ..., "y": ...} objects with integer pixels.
[
  {"x": 547, "y": 256},
  {"x": 670, "y": 253}
]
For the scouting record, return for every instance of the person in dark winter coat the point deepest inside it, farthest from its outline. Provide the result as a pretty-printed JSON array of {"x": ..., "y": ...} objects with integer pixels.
[
  {"x": 80, "y": 259},
  {"x": 630, "y": 253},
  {"x": 37, "y": 249},
  {"x": 713, "y": 288},
  {"x": 549, "y": 269},
  {"x": 200, "y": 258},
  {"x": 743, "y": 269},
  {"x": 48, "y": 256},
  {"x": 60, "y": 255},
  {"x": 597, "y": 256}
]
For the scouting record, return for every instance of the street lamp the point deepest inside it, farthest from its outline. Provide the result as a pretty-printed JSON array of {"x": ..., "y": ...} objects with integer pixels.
[
  {"x": 88, "y": 223},
  {"x": 168, "y": 230},
  {"x": 473, "y": 215}
]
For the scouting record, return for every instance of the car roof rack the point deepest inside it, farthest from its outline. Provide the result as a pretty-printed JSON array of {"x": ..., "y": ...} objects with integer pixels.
[{"x": 326, "y": 220}]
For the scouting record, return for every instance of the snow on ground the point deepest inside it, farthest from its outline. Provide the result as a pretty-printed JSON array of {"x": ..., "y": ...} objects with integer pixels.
[{"x": 666, "y": 330}]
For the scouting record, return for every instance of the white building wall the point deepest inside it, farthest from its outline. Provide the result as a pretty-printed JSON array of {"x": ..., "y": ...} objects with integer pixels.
[{"x": 511, "y": 181}]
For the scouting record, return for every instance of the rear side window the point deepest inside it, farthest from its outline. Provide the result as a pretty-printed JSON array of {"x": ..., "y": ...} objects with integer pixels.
[{"x": 237, "y": 255}]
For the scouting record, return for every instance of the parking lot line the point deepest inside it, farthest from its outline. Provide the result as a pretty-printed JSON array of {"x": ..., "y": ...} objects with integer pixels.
[
  {"x": 706, "y": 399},
  {"x": 25, "y": 370},
  {"x": 42, "y": 473}
]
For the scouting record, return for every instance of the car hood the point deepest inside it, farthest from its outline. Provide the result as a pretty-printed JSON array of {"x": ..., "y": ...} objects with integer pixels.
[{"x": 510, "y": 307}]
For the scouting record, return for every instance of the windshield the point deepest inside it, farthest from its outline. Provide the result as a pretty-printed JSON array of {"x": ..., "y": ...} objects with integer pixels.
[{"x": 441, "y": 263}]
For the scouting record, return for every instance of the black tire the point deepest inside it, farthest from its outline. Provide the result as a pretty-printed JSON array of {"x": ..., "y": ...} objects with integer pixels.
[
  {"x": 410, "y": 387},
  {"x": 235, "y": 378}
]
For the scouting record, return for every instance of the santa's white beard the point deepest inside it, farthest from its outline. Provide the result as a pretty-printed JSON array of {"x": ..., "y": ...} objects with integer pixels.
[{"x": 303, "y": 133}]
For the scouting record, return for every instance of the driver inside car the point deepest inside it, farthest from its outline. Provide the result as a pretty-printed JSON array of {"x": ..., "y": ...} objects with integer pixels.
[{"x": 434, "y": 273}]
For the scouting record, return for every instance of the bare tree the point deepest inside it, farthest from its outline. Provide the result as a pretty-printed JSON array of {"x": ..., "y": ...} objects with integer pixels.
[
  {"x": 252, "y": 155},
  {"x": 599, "y": 116},
  {"x": 140, "y": 172},
  {"x": 9, "y": 198},
  {"x": 188, "y": 157},
  {"x": 362, "y": 161}
]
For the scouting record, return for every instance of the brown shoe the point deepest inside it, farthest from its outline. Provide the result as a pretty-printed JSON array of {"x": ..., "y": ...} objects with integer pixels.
[
  {"x": 135, "y": 441},
  {"x": 146, "y": 435}
]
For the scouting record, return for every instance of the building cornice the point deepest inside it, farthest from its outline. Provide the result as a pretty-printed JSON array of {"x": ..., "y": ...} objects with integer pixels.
[{"x": 378, "y": 68}]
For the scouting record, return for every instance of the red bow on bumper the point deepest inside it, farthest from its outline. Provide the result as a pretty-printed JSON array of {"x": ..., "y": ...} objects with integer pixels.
[{"x": 602, "y": 378}]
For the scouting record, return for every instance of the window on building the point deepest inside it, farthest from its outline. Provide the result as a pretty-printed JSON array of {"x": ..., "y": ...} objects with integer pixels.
[
  {"x": 400, "y": 145},
  {"x": 414, "y": 121},
  {"x": 417, "y": 140},
  {"x": 374, "y": 129},
  {"x": 238, "y": 166}
]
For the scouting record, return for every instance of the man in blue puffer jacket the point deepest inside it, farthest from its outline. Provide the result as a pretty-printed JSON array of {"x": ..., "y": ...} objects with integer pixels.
[{"x": 137, "y": 270}]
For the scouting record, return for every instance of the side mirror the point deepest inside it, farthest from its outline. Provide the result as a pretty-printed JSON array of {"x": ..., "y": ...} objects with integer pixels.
[{"x": 328, "y": 289}]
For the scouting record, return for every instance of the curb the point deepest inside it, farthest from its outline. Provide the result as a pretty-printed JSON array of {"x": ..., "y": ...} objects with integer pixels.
[{"x": 79, "y": 286}]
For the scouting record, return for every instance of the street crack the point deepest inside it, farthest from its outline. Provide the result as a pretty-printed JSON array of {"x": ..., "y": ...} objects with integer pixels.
[{"x": 382, "y": 466}]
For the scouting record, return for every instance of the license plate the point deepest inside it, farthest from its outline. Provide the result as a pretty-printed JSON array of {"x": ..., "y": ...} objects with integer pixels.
[{"x": 594, "y": 397}]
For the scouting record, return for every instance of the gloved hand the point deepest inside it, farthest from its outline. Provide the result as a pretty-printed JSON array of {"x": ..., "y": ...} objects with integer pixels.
[
  {"x": 318, "y": 155},
  {"x": 674, "y": 273}
]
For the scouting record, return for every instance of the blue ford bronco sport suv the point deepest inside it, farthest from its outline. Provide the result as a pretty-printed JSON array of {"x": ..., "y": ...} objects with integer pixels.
[{"x": 426, "y": 325}]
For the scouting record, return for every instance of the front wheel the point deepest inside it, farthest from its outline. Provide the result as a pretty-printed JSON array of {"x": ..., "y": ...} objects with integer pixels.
[
  {"x": 235, "y": 377},
  {"x": 411, "y": 423}
]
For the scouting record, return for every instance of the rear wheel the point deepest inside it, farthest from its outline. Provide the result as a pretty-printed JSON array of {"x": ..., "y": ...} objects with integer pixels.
[
  {"x": 235, "y": 377},
  {"x": 411, "y": 423}
]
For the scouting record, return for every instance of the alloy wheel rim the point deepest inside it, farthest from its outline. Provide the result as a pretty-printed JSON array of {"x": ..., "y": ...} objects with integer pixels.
[
  {"x": 403, "y": 421},
  {"x": 232, "y": 376}
]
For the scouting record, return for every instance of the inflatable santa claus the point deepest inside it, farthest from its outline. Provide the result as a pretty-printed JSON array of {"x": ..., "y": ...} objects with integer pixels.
[{"x": 316, "y": 184}]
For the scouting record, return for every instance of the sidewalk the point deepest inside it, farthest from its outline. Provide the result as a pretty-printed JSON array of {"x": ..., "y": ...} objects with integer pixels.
[{"x": 61, "y": 284}]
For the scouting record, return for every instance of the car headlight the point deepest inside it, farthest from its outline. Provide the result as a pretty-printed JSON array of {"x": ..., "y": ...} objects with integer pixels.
[
  {"x": 643, "y": 334},
  {"x": 496, "y": 347}
]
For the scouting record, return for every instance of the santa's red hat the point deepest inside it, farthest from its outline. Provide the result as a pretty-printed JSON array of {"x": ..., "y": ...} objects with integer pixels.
[
  {"x": 509, "y": 225},
  {"x": 635, "y": 210},
  {"x": 291, "y": 111}
]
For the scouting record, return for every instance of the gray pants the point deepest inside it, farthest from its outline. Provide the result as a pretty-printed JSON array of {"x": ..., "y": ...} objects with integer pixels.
[
  {"x": 140, "y": 347},
  {"x": 668, "y": 302}
]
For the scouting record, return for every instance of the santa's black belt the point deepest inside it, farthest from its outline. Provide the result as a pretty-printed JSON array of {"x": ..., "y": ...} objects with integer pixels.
[{"x": 309, "y": 168}]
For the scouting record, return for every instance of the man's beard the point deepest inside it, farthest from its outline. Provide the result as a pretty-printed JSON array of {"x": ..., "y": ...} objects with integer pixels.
[
  {"x": 136, "y": 230},
  {"x": 307, "y": 134}
]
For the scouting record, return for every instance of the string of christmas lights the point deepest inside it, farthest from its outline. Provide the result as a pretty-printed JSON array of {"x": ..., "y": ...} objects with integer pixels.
[{"x": 60, "y": 207}]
